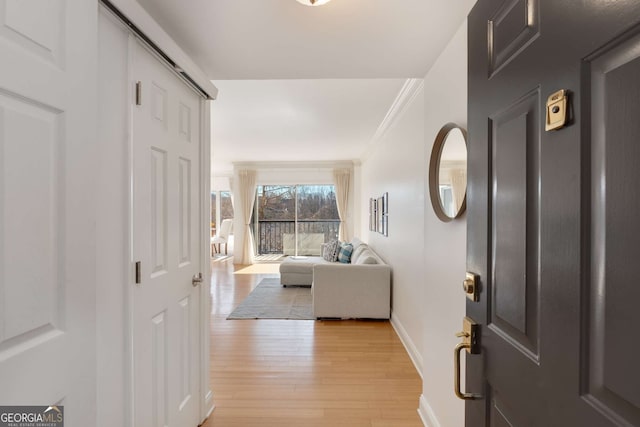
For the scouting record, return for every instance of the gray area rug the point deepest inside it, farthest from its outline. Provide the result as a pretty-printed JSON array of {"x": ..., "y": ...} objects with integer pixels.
[{"x": 271, "y": 300}]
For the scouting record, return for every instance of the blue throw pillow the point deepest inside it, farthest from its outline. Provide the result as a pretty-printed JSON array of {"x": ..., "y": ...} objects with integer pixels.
[{"x": 346, "y": 249}]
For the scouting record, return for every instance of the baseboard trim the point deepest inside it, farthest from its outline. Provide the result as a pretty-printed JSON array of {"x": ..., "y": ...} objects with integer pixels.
[
  {"x": 426, "y": 413},
  {"x": 408, "y": 344}
]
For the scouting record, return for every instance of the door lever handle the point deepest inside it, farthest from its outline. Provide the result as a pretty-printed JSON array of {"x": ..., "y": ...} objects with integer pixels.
[
  {"x": 196, "y": 280},
  {"x": 456, "y": 376},
  {"x": 469, "y": 335}
]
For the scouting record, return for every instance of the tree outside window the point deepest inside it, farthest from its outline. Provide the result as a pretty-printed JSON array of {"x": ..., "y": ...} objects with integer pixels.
[{"x": 317, "y": 214}]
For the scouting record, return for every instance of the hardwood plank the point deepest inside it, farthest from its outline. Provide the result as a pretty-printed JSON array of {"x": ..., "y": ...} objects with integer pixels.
[{"x": 308, "y": 373}]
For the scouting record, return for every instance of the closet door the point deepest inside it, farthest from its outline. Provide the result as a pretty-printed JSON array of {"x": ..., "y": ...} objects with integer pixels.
[
  {"x": 47, "y": 208},
  {"x": 166, "y": 220}
]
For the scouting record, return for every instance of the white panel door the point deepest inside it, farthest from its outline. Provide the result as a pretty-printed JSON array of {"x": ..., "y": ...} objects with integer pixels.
[
  {"x": 47, "y": 213},
  {"x": 166, "y": 164}
]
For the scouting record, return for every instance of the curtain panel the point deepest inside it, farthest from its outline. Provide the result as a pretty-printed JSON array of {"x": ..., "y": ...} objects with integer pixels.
[
  {"x": 247, "y": 187},
  {"x": 342, "y": 181},
  {"x": 458, "y": 186}
]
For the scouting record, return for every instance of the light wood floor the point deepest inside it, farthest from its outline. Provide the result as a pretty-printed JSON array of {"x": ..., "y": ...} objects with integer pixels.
[{"x": 304, "y": 373}]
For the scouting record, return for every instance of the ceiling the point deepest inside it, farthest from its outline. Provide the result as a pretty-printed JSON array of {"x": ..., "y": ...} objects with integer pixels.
[
  {"x": 297, "y": 81},
  {"x": 293, "y": 120}
]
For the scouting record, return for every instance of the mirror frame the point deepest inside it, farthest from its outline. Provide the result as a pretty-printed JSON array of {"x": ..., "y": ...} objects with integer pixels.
[{"x": 434, "y": 173}]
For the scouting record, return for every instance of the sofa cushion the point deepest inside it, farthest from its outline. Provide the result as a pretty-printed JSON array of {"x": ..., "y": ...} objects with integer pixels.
[
  {"x": 346, "y": 249},
  {"x": 366, "y": 257},
  {"x": 357, "y": 250},
  {"x": 356, "y": 242},
  {"x": 296, "y": 267}
]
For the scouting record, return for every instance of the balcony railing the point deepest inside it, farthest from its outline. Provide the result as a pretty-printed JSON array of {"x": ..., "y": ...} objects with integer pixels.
[{"x": 271, "y": 238}]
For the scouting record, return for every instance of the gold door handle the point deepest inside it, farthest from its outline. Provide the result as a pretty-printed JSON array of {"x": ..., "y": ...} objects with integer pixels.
[
  {"x": 469, "y": 335},
  {"x": 456, "y": 376}
]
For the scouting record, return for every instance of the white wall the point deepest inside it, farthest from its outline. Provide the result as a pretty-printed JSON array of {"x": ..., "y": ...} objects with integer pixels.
[
  {"x": 397, "y": 165},
  {"x": 221, "y": 183},
  {"x": 427, "y": 255},
  {"x": 443, "y": 303},
  {"x": 112, "y": 219}
]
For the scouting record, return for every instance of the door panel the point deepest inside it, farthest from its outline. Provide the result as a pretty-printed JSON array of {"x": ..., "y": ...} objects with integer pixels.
[
  {"x": 159, "y": 381},
  {"x": 184, "y": 221},
  {"x": 513, "y": 299},
  {"x": 158, "y": 215},
  {"x": 501, "y": 415},
  {"x": 30, "y": 137},
  {"x": 552, "y": 219},
  {"x": 166, "y": 226},
  {"x": 36, "y": 28},
  {"x": 47, "y": 208},
  {"x": 612, "y": 379},
  {"x": 185, "y": 335},
  {"x": 510, "y": 29}
]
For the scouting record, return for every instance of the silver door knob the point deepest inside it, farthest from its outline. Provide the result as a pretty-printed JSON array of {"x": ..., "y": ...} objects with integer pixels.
[{"x": 196, "y": 280}]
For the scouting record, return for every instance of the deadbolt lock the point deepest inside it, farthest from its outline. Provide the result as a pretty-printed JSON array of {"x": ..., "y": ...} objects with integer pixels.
[
  {"x": 470, "y": 286},
  {"x": 557, "y": 110}
]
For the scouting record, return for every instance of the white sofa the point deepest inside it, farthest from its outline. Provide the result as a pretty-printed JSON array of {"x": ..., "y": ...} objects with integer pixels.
[{"x": 360, "y": 289}]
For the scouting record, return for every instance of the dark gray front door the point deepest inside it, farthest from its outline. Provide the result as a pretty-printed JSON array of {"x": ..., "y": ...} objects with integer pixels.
[{"x": 554, "y": 216}]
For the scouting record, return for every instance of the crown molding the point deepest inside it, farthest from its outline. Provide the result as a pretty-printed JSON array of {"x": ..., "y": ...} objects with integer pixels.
[{"x": 405, "y": 98}]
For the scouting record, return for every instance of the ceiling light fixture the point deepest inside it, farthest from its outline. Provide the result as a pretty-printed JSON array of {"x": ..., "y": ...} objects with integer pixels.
[{"x": 313, "y": 2}]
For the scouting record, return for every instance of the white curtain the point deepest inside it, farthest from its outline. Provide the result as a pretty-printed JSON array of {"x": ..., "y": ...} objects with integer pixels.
[
  {"x": 342, "y": 181},
  {"x": 458, "y": 186},
  {"x": 247, "y": 187},
  {"x": 233, "y": 203}
]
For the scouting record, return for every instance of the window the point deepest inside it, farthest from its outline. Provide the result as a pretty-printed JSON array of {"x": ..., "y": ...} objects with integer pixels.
[
  {"x": 295, "y": 219},
  {"x": 221, "y": 208},
  {"x": 226, "y": 205},
  {"x": 213, "y": 212},
  {"x": 446, "y": 196}
]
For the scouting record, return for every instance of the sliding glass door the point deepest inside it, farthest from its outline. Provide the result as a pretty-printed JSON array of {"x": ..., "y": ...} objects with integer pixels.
[
  {"x": 317, "y": 220},
  {"x": 274, "y": 218},
  {"x": 294, "y": 219}
]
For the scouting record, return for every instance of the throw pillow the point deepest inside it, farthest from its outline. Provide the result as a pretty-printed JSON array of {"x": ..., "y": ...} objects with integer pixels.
[
  {"x": 345, "y": 253},
  {"x": 329, "y": 250},
  {"x": 325, "y": 251},
  {"x": 336, "y": 250}
]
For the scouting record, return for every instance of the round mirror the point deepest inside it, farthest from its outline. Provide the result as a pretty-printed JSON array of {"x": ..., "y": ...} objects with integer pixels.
[{"x": 448, "y": 172}]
